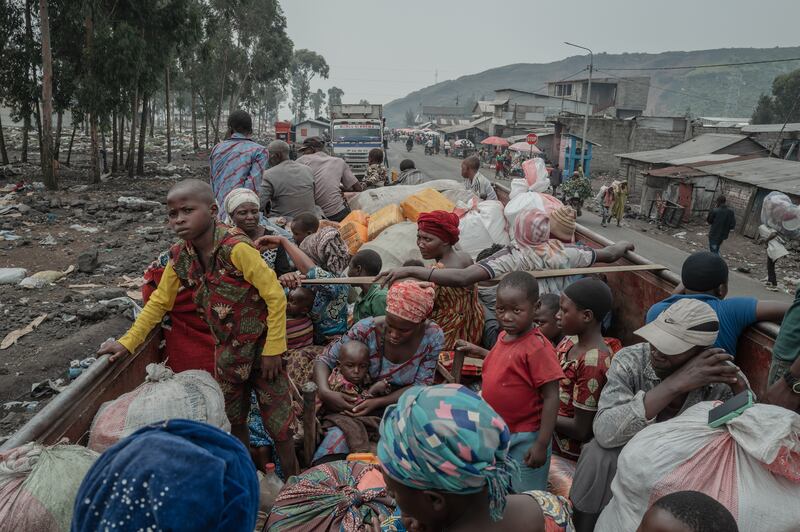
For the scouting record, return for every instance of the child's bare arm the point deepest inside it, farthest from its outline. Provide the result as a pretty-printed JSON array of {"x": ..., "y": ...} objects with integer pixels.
[
  {"x": 380, "y": 388},
  {"x": 537, "y": 454}
]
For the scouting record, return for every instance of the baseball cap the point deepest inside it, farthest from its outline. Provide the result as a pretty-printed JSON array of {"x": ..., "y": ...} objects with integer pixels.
[
  {"x": 312, "y": 142},
  {"x": 685, "y": 324},
  {"x": 703, "y": 271}
]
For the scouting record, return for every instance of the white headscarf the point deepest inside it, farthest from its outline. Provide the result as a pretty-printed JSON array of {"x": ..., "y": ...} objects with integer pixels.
[{"x": 237, "y": 197}]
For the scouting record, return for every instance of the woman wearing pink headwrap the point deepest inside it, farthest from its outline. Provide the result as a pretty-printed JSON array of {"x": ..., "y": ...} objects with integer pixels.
[
  {"x": 437, "y": 233},
  {"x": 528, "y": 253},
  {"x": 403, "y": 349}
]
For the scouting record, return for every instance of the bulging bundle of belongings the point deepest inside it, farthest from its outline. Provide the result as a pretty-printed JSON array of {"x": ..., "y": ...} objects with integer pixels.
[
  {"x": 191, "y": 394},
  {"x": 751, "y": 465},
  {"x": 38, "y": 485},
  {"x": 779, "y": 213},
  {"x": 372, "y": 200},
  {"x": 396, "y": 245},
  {"x": 481, "y": 226},
  {"x": 525, "y": 196},
  {"x": 346, "y": 496}
]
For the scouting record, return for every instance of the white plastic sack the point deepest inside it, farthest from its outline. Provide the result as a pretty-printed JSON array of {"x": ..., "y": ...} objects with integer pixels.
[
  {"x": 396, "y": 244},
  {"x": 779, "y": 213},
  {"x": 375, "y": 199},
  {"x": 536, "y": 174},
  {"x": 750, "y": 466},
  {"x": 12, "y": 275},
  {"x": 191, "y": 394},
  {"x": 482, "y": 226}
]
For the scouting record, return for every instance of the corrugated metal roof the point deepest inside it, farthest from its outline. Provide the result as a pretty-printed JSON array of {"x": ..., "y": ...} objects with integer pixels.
[
  {"x": 707, "y": 157},
  {"x": 700, "y": 145},
  {"x": 771, "y": 128},
  {"x": 464, "y": 127},
  {"x": 766, "y": 172},
  {"x": 676, "y": 172}
]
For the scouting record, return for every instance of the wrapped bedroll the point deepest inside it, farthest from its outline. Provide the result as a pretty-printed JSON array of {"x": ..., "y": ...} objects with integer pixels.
[
  {"x": 334, "y": 496},
  {"x": 751, "y": 466},
  {"x": 396, "y": 245},
  {"x": 191, "y": 394},
  {"x": 372, "y": 200},
  {"x": 482, "y": 225},
  {"x": 38, "y": 485},
  {"x": 779, "y": 213}
]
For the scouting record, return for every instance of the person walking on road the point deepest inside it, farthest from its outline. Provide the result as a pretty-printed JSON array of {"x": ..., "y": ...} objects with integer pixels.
[
  {"x": 237, "y": 161},
  {"x": 620, "y": 199},
  {"x": 555, "y": 178},
  {"x": 332, "y": 176},
  {"x": 722, "y": 221},
  {"x": 775, "y": 250}
]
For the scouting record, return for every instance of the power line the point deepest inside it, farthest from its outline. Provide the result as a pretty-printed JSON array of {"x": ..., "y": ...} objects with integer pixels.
[{"x": 710, "y": 66}]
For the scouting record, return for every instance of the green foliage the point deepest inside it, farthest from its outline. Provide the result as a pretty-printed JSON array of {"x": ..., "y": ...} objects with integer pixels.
[
  {"x": 317, "y": 100},
  {"x": 334, "y": 97},
  {"x": 763, "y": 113},
  {"x": 363, "y": 101},
  {"x": 305, "y": 65}
]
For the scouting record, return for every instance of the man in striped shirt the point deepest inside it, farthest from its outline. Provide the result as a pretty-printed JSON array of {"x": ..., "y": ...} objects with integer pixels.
[{"x": 237, "y": 162}]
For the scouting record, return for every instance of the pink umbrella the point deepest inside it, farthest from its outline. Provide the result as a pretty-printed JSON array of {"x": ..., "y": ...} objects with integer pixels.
[
  {"x": 524, "y": 147},
  {"x": 495, "y": 141}
]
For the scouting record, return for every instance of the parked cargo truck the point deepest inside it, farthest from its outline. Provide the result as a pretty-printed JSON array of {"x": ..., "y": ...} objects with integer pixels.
[{"x": 356, "y": 129}]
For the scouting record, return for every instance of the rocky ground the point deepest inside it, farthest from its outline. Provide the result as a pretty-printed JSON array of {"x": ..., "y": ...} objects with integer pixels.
[{"x": 95, "y": 244}]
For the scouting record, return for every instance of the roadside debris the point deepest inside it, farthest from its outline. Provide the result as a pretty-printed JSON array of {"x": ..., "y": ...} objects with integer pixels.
[
  {"x": 12, "y": 337},
  {"x": 42, "y": 279},
  {"x": 12, "y": 275},
  {"x": 137, "y": 204}
]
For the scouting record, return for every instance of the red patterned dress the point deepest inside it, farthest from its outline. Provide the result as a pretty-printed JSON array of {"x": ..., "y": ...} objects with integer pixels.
[{"x": 236, "y": 314}]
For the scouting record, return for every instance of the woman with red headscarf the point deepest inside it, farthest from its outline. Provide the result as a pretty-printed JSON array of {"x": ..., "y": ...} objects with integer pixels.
[{"x": 456, "y": 310}]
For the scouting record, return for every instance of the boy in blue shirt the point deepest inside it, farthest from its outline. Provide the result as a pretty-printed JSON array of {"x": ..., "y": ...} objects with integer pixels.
[{"x": 704, "y": 276}]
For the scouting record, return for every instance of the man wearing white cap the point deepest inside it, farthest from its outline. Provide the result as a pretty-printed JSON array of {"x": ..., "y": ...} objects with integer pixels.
[{"x": 650, "y": 382}]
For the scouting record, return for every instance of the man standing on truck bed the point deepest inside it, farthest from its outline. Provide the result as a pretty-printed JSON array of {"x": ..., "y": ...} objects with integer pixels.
[{"x": 332, "y": 176}]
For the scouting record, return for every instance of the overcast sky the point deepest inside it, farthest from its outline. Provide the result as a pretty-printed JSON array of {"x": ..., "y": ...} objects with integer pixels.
[{"x": 381, "y": 50}]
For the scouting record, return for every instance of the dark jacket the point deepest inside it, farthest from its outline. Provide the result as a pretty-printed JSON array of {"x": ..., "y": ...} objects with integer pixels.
[{"x": 722, "y": 222}]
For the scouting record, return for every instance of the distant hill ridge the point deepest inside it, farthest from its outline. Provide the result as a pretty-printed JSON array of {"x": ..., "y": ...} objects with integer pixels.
[{"x": 719, "y": 91}]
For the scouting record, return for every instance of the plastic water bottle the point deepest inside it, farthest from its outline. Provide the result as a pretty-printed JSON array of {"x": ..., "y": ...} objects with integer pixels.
[{"x": 269, "y": 487}]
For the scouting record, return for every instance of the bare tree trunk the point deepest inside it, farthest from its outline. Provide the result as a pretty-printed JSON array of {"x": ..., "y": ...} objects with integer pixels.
[
  {"x": 3, "y": 152},
  {"x": 105, "y": 151},
  {"x": 26, "y": 126},
  {"x": 142, "y": 134},
  {"x": 38, "y": 116},
  {"x": 114, "y": 142},
  {"x": 195, "y": 144},
  {"x": 134, "y": 123},
  {"x": 152, "y": 118},
  {"x": 180, "y": 119},
  {"x": 206, "y": 130},
  {"x": 71, "y": 141},
  {"x": 57, "y": 141},
  {"x": 121, "y": 140},
  {"x": 46, "y": 146},
  {"x": 221, "y": 93},
  {"x": 95, "y": 148},
  {"x": 166, "y": 110}
]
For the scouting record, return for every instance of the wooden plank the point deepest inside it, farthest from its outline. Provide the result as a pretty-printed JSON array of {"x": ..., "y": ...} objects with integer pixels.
[{"x": 540, "y": 274}]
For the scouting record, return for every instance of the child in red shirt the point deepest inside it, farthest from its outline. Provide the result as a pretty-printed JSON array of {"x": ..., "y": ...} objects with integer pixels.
[{"x": 520, "y": 379}]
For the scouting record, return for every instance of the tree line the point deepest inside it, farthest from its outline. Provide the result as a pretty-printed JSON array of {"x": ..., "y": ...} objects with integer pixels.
[{"x": 116, "y": 64}]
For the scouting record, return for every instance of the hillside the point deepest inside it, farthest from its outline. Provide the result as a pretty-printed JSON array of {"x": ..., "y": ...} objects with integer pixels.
[{"x": 719, "y": 91}]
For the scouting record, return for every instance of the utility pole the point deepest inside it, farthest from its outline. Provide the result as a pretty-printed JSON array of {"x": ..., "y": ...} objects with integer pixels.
[{"x": 588, "y": 96}]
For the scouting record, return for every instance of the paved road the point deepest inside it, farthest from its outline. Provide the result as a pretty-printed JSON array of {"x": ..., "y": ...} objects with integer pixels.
[{"x": 657, "y": 251}]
